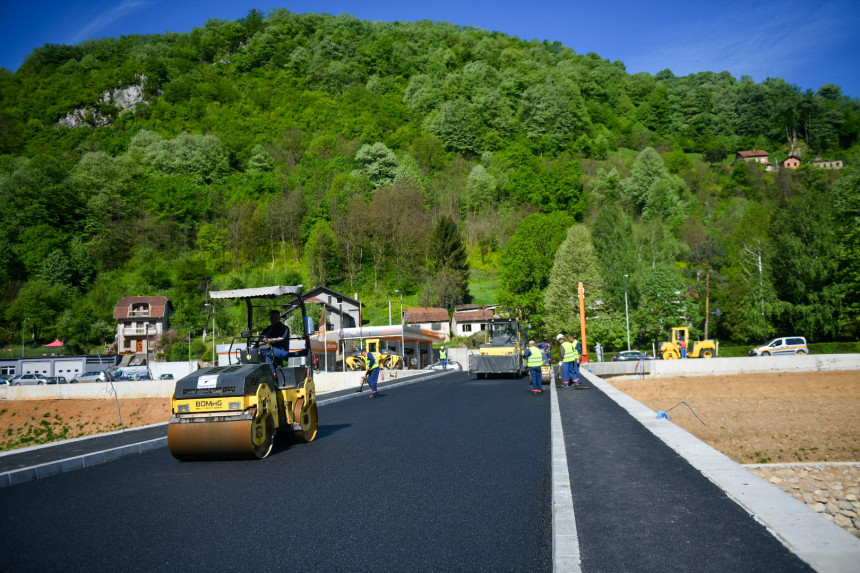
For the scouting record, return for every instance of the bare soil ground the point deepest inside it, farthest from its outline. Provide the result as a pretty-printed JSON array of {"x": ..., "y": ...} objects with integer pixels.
[
  {"x": 763, "y": 418},
  {"x": 30, "y": 422}
]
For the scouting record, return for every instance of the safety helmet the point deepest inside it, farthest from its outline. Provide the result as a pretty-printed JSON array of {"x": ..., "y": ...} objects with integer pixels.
[{"x": 560, "y": 337}]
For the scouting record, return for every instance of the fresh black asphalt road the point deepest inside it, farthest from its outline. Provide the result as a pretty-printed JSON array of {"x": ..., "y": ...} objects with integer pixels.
[
  {"x": 451, "y": 474},
  {"x": 641, "y": 507}
]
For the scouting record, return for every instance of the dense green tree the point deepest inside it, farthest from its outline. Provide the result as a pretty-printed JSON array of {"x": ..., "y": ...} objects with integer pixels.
[
  {"x": 526, "y": 262},
  {"x": 805, "y": 274},
  {"x": 377, "y": 163},
  {"x": 447, "y": 254},
  {"x": 662, "y": 301},
  {"x": 575, "y": 262},
  {"x": 612, "y": 235}
]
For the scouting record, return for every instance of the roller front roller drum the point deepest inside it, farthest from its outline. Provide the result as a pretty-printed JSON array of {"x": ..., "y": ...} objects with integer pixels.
[{"x": 225, "y": 440}]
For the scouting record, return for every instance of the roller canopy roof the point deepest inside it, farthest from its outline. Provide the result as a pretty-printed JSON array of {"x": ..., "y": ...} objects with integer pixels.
[{"x": 261, "y": 292}]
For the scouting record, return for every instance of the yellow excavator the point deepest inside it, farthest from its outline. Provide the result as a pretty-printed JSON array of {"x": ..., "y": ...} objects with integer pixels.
[
  {"x": 235, "y": 411},
  {"x": 387, "y": 359},
  {"x": 671, "y": 350}
]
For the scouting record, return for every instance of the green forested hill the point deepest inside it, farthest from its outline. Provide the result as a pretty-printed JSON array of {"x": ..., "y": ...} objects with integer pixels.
[{"x": 327, "y": 150}]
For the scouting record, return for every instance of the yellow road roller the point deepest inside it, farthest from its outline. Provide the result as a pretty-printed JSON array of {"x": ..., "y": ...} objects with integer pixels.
[{"x": 235, "y": 411}]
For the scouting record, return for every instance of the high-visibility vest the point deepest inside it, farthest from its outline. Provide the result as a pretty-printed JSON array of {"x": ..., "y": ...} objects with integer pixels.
[
  {"x": 570, "y": 353},
  {"x": 443, "y": 354},
  {"x": 372, "y": 361},
  {"x": 535, "y": 357}
]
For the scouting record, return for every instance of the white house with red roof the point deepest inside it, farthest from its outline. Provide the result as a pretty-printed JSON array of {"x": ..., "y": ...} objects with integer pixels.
[
  {"x": 430, "y": 319},
  {"x": 470, "y": 319},
  {"x": 754, "y": 156}
]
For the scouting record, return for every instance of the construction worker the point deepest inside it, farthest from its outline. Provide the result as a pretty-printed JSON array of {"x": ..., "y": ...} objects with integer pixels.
[
  {"x": 534, "y": 362},
  {"x": 569, "y": 356},
  {"x": 443, "y": 358},
  {"x": 372, "y": 365}
]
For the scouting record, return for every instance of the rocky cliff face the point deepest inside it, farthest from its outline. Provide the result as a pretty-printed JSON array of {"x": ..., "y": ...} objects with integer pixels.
[{"x": 125, "y": 99}]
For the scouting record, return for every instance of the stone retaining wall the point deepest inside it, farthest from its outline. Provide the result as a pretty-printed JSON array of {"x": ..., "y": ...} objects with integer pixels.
[{"x": 833, "y": 490}]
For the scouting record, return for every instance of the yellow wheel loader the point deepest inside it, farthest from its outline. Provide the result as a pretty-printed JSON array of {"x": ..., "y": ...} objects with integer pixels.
[
  {"x": 695, "y": 348},
  {"x": 235, "y": 411}
]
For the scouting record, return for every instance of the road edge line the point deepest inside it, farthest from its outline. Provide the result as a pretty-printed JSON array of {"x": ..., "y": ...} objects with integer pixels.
[{"x": 565, "y": 540}]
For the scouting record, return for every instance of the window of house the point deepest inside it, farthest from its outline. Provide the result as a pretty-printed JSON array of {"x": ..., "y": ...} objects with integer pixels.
[
  {"x": 467, "y": 328},
  {"x": 436, "y": 326}
]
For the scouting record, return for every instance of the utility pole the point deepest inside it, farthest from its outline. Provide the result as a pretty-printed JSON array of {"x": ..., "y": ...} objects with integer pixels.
[
  {"x": 708, "y": 296},
  {"x": 23, "y": 325},
  {"x": 626, "y": 312}
]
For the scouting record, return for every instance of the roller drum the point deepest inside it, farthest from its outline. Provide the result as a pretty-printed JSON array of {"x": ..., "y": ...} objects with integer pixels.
[{"x": 223, "y": 440}]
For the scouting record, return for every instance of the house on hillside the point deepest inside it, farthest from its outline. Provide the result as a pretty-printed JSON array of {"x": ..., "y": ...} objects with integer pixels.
[
  {"x": 141, "y": 320},
  {"x": 468, "y": 321},
  {"x": 753, "y": 156},
  {"x": 429, "y": 318},
  {"x": 338, "y": 309},
  {"x": 827, "y": 164},
  {"x": 790, "y": 162}
]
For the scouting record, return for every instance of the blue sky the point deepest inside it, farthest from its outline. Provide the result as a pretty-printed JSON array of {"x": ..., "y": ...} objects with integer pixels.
[{"x": 809, "y": 44}]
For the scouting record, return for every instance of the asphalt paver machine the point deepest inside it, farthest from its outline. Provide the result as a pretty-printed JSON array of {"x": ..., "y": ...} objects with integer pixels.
[{"x": 235, "y": 411}]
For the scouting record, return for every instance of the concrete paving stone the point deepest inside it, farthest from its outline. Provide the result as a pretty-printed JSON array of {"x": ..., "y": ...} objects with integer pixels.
[
  {"x": 566, "y": 545},
  {"x": 71, "y": 464},
  {"x": 22, "y": 476},
  {"x": 565, "y": 564}
]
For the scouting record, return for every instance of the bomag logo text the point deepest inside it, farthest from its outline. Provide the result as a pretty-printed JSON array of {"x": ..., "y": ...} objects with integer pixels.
[{"x": 207, "y": 404}]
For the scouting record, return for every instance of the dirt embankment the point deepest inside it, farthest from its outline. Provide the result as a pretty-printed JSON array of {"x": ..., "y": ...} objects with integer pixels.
[
  {"x": 30, "y": 422},
  {"x": 764, "y": 418}
]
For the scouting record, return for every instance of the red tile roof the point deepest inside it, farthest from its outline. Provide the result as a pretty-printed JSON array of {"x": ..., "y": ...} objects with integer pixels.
[
  {"x": 754, "y": 153},
  {"x": 157, "y": 306},
  {"x": 415, "y": 315},
  {"x": 478, "y": 315}
]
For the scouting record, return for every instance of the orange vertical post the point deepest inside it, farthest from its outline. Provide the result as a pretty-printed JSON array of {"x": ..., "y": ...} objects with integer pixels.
[{"x": 582, "y": 322}]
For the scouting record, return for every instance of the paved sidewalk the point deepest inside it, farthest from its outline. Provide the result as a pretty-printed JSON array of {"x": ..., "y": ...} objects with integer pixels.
[{"x": 641, "y": 507}]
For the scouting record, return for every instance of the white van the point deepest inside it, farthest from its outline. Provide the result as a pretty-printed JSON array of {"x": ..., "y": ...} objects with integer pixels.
[{"x": 785, "y": 345}]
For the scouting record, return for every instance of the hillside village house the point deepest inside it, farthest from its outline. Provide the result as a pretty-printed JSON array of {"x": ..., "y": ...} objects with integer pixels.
[
  {"x": 790, "y": 162},
  {"x": 827, "y": 164},
  {"x": 753, "y": 155},
  {"x": 468, "y": 320},
  {"x": 141, "y": 320},
  {"x": 429, "y": 318},
  {"x": 335, "y": 303}
]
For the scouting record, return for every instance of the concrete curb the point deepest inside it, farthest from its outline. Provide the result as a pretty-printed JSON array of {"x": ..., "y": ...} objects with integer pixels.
[
  {"x": 23, "y": 475},
  {"x": 565, "y": 540},
  {"x": 825, "y": 546}
]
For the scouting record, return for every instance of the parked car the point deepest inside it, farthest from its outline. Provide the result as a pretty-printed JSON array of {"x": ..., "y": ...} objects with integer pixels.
[
  {"x": 166, "y": 377},
  {"x": 452, "y": 365},
  {"x": 89, "y": 377},
  {"x": 57, "y": 380},
  {"x": 5, "y": 379},
  {"x": 784, "y": 345},
  {"x": 28, "y": 379},
  {"x": 631, "y": 355}
]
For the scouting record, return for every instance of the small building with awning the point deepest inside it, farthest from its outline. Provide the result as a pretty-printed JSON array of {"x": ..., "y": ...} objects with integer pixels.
[{"x": 414, "y": 343}]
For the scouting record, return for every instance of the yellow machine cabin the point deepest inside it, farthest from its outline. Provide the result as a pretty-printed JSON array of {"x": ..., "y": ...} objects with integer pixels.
[{"x": 695, "y": 348}]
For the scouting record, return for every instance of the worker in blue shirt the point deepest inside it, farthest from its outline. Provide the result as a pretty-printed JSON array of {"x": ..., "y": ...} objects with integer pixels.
[{"x": 372, "y": 371}]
